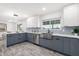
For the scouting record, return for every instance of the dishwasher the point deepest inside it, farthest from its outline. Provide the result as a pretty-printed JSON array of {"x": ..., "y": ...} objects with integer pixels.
[{"x": 36, "y": 38}]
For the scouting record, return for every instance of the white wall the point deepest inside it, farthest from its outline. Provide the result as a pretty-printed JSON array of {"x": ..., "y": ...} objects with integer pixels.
[
  {"x": 24, "y": 24},
  {"x": 12, "y": 27}
]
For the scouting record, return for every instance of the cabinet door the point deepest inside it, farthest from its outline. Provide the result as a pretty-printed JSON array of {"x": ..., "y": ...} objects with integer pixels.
[
  {"x": 67, "y": 45},
  {"x": 29, "y": 37},
  {"x": 70, "y": 16},
  {"x": 21, "y": 37},
  {"x": 46, "y": 43},
  {"x": 11, "y": 39},
  {"x": 53, "y": 43},
  {"x": 42, "y": 42},
  {"x": 58, "y": 43},
  {"x": 75, "y": 47},
  {"x": 15, "y": 38}
]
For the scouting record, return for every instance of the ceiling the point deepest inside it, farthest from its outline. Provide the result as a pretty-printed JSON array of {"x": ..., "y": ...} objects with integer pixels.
[{"x": 24, "y": 10}]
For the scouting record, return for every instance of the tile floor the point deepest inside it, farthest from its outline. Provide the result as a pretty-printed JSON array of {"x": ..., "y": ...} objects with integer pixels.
[{"x": 28, "y": 49}]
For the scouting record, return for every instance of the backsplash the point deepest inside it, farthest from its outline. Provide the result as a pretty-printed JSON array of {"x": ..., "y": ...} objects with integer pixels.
[{"x": 64, "y": 30}]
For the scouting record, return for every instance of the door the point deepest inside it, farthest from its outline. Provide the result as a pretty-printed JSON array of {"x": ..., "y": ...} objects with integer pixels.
[
  {"x": 21, "y": 37},
  {"x": 46, "y": 43},
  {"x": 29, "y": 37},
  {"x": 67, "y": 45},
  {"x": 75, "y": 47},
  {"x": 57, "y": 43}
]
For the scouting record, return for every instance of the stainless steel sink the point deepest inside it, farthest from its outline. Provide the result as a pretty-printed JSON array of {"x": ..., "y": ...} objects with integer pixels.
[{"x": 46, "y": 36}]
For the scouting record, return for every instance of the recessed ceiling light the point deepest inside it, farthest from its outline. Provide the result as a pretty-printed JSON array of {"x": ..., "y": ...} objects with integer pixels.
[
  {"x": 43, "y": 9},
  {"x": 15, "y": 15}
]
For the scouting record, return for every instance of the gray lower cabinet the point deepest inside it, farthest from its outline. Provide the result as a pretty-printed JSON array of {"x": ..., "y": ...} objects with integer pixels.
[
  {"x": 46, "y": 43},
  {"x": 57, "y": 43},
  {"x": 67, "y": 47},
  {"x": 15, "y": 38},
  {"x": 74, "y": 47},
  {"x": 30, "y": 37},
  {"x": 11, "y": 39}
]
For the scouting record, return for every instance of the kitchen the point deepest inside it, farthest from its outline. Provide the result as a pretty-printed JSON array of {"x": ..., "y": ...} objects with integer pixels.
[{"x": 39, "y": 29}]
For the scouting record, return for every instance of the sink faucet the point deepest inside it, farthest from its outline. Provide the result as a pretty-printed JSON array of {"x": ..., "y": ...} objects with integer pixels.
[{"x": 48, "y": 31}]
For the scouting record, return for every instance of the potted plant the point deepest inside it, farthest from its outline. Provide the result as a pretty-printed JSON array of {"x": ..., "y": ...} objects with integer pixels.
[{"x": 76, "y": 31}]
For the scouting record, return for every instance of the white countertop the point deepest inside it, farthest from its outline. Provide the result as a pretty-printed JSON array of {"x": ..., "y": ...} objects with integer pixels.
[
  {"x": 66, "y": 35},
  {"x": 35, "y": 32},
  {"x": 54, "y": 34}
]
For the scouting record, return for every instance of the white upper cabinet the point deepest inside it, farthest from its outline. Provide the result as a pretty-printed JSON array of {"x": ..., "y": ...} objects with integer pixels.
[
  {"x": 71, "y": 15},
  {"x": 33, "y": 22}
]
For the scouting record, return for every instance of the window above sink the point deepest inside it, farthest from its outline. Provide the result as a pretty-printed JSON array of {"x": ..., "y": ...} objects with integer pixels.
[{"x": 52, "y": 23}]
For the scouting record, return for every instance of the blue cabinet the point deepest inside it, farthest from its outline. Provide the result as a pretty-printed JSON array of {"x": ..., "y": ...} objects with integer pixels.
[
  {"x": 71, "y": 46},
  {"x": 74, "y": 47},
  {"x": 57, "y": 43},
  {"x": 46, "y": 43},
  {"x": 67, "y": 47},
  {"x": 21, "y": 37},
  {"x": 15, "y": 38},
  {"x": 11, "y": 39},
  {"x": 30, "y": 37}
]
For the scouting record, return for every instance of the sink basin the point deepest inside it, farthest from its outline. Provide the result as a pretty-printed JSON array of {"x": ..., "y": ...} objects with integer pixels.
[{"x": 46, "y": 35}]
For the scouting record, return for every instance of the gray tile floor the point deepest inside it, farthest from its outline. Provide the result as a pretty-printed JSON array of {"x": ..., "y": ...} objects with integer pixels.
[{"x": 28, "y": 49}]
